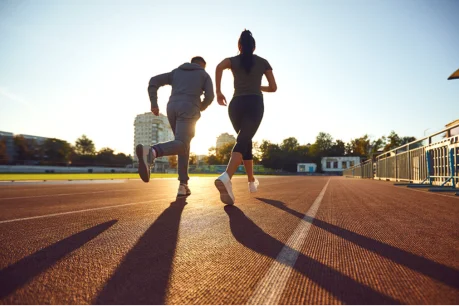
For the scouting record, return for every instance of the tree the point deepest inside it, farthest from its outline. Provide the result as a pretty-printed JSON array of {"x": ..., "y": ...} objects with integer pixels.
[
  {"x": 393, "y": 141},
  {"x": 105, "y": 157},
  {"x": 23, "y": 152},
  {"x": 224, "y": 153},
  {"x": 211, "y": 158},
  {"x": 256, "y": 152},
  {"x": 84, "y": 146},
  {"x": 406, "y": 140},
  {"x": 359, "y": 147},
  {"x": 324, "y": 142},
  {"x": 289, "y": 144},
  {"x": 173, "y": 161},
  {"x": 271, "y": 155},
  {"x": 193, "y": 159},
  {"x": 338, "y": 148},
  {"x": 122, "y": 160},
  {"x": 377, "y": 145},
  {"x": 57, "y": 151}
]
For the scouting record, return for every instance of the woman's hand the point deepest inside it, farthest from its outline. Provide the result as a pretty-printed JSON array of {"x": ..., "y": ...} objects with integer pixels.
[
  {"x": 221, "y": 99},
  {"x": 155, "y": 111}
]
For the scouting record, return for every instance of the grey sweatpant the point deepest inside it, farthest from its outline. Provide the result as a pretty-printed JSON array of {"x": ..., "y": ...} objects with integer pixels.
[{"x": 182, "y": 116}]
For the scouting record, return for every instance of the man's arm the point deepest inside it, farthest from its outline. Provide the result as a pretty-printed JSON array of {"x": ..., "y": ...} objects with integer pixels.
[
  {"x": 225, "y": 64},
  {"x": 155, "y": 83},
  {"x": 208, "y": 93}
]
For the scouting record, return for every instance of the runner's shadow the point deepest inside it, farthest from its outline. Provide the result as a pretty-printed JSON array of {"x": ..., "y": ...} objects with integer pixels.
[
  {"x": 20, "y": 273},
  {"x": 339, "y": 285},
  {"x": 143, "y": 275},
  {"x": 442, "y": 273}
]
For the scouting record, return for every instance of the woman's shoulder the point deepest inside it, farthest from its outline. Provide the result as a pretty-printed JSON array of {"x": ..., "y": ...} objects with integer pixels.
[
  {"x": 260, "y": 58},
  {"x": 234, "y": 57}
]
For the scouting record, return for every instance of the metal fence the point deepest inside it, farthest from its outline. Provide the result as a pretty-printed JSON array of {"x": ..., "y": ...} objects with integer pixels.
[
  {"x": 363, "y": 170},
  {"x": 433, "y": 160}
]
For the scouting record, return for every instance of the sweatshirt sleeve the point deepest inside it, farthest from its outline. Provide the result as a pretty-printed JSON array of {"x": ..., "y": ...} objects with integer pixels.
[
  {"x": 155, "y": 83},
  {"x": 208, "y": 93}
]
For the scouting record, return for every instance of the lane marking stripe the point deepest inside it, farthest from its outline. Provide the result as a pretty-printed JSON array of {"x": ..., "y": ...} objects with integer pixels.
[
  {"x": 270, "y": 288},
  {"x": 67, "y": 194},
  {"x": 79, "y": 211}
]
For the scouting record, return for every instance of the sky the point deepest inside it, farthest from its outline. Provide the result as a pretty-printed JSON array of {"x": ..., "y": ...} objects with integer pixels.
[{"x": 347, "y": 68}]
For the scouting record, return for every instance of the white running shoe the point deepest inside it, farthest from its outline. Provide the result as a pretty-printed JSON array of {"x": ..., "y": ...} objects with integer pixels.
[
  {"x": 224, "y": 185},
  {"x": 146, "y": 156},
  {"x": 183, "y": 190},
  {"x": 253, "y": 186}
]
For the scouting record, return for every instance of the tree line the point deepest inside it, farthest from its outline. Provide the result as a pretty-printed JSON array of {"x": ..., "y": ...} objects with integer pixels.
[
  {"x": 57, "y": 152},
  {"x": 286, "y": 155}
]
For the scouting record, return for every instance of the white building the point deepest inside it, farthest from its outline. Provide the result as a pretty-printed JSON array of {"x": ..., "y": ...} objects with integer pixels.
[
  {"x": 149, "y": 130},
  {"x": 338, "y": 164},
  {"x": 306, "y": 167},
  {"x": 224, "y": 139}
]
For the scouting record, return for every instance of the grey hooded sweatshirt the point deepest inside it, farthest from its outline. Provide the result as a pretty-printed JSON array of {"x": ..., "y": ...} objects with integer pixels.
[{"x": 188, "y": 83}]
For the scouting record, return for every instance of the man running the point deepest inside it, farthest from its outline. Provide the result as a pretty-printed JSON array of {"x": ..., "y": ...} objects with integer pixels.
[{"x": 184, "y": 108}]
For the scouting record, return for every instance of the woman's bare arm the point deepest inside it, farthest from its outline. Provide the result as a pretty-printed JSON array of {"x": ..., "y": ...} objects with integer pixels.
[{"x": 272, "y": 87}]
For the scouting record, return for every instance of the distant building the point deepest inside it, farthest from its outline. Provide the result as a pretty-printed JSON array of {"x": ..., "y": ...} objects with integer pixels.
[
  {"x": 38, "y": 139},
  {"x": 224, "y": 139},
  {"x": 9, "y": 141},
  {"x": 149, "y": 130},
  {"x": 306, "y": 167},
  {"x": 338, "y": 164}
]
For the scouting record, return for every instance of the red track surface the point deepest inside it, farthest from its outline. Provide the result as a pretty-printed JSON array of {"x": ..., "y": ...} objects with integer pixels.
[{"x": 132, "y": 243}]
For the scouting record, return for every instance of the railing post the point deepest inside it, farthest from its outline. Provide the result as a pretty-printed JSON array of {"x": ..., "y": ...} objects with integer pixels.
[
  {"x": 428, "y": 166},
  {"x": 409, "y": 165},
  {"x": 385, "y": 165},
  {"x": 451, "y": 164}
]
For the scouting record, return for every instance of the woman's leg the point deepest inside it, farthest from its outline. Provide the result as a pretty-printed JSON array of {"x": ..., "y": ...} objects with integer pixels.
[
  {"x": 234, "y": 162},
  {"x": 251, "y": 119},
  {"x": 248, "y": 165},
  {"x": 235, "y": 112}
]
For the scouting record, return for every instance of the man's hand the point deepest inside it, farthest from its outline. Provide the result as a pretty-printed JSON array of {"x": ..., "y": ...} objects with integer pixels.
[
  {"x": 221, "y": 99},
  {"x": 155, "y": 111}
]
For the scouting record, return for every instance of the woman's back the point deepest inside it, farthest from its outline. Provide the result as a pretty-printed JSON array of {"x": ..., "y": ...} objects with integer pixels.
[{"x": 248, "y": 83}]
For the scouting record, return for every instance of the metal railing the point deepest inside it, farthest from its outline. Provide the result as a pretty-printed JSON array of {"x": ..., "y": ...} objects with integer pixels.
[
  {"x": 432, "y": 160},
  {"x": 363, "y": 170}
]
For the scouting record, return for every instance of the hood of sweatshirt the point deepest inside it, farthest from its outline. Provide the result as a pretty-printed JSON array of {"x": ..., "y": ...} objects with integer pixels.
[{"x": 190, "y": 66}]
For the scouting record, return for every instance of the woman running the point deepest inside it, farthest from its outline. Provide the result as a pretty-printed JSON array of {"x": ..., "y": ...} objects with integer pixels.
[{"x": 245, "y": 109}]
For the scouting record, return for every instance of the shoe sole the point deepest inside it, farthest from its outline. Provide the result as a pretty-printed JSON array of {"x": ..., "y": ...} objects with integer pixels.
[
  {"x": 143, "y": 167},
  {"x": 224, "y": 195}
]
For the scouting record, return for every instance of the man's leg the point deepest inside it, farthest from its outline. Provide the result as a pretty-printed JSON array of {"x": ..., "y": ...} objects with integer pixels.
[
  {"x": 185, "y": 130},
  {"x": 175, "y": 146}
]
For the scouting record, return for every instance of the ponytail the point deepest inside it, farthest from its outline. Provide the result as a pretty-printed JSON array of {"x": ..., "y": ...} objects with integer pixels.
[{"x": 246, "y": 47}]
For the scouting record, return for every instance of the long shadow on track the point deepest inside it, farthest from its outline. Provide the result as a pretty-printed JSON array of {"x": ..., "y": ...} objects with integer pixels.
[
  {"x": 442, "y": 273},
  {"x": 143, "y": 275},
  {"x": 339, "y": 285},
  {"x": 17, "y": 275}
]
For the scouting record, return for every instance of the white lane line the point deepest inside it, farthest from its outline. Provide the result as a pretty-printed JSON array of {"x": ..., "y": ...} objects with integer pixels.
[
  {"x": 67, "y": 194},
  {"x": 79, "y": 211},
  {"x": 269, "y": 290}
]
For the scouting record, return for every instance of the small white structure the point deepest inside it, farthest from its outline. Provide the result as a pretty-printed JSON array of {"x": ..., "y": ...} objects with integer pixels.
[
  {"x": 339, "y": 163},
  {"x": 306, "y": 167}
]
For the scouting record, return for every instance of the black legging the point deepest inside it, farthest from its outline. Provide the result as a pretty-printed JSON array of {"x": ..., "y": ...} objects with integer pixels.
[{"x": 245, "y": 113}]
